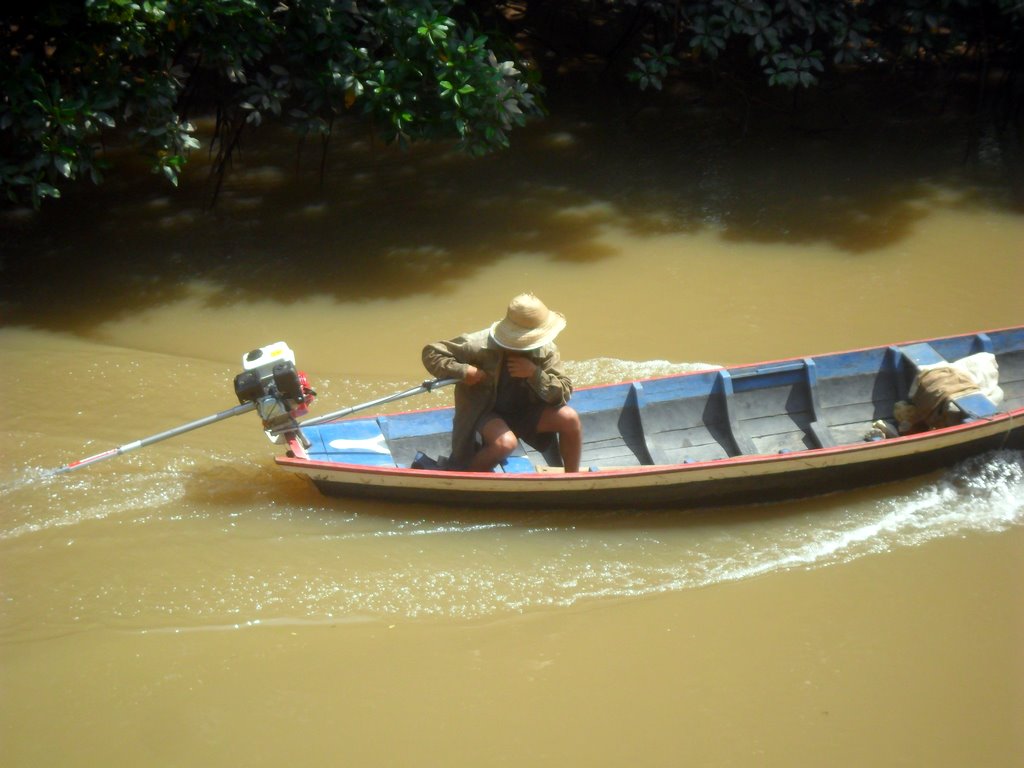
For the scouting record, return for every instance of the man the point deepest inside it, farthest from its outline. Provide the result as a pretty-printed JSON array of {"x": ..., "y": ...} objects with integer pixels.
[{"x": 512, "y": 387}]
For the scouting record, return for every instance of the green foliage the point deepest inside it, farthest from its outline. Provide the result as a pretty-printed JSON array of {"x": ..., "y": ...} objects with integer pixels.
[
  {"x": 652, "y": 66},
  {"x": 792, "y": 42},
  {"x": 78, "y": 72}
]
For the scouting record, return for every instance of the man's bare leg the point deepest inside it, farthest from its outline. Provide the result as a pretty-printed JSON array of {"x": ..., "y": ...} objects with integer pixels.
[
  {"x": 566, "y": 422},
  {"x": 498, "y": 443}
]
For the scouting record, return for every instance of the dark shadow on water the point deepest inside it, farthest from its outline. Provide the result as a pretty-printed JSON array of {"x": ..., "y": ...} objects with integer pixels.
[{"x": 387, "y": 223}]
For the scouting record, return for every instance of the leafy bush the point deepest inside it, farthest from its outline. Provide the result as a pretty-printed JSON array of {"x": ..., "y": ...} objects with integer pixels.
[
  {"x": 76, "y": 72},
  {"x": 792, "y": 42}
]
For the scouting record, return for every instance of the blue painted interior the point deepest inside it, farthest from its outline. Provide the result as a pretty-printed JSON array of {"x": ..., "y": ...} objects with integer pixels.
[
  {"x": 356, "y": 430},
  {"x": 786, "y": 406}
]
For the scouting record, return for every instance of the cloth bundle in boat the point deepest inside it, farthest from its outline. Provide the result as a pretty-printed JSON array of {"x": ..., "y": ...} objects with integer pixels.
[
  {"x": 937, "y": 386},
  {"x": 936, "y": 389},
  {"x": 984, "y": 369}
]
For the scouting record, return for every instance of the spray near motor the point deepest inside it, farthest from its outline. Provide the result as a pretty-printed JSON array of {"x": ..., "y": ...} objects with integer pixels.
[{"x": 271, "y": 385}]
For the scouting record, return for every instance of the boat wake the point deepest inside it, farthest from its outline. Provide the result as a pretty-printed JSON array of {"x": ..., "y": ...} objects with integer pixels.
[
  {"x": 215, "y": 543},
  {"x": 982, "y": 495},
  {"x": 501, "y": 568},
  {"x": 490, "y": 570}
]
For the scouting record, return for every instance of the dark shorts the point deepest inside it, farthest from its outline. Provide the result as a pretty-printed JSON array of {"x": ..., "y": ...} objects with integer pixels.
[{"x": 523, "y": 423}]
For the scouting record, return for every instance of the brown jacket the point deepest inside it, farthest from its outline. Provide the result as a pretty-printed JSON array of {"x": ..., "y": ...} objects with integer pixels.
[{"x": 449, "y": 359}]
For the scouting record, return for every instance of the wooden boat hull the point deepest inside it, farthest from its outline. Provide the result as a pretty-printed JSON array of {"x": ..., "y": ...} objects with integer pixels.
[
  {"x": 755, "y": 480},
  {"x": 800, "y": 449}
]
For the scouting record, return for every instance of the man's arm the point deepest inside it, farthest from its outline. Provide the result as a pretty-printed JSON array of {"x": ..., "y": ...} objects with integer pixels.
[{"x": 456, "y": 358}]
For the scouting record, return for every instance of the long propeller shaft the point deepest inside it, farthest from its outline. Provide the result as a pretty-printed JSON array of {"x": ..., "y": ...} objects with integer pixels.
[{"x": 220, "y": 416}]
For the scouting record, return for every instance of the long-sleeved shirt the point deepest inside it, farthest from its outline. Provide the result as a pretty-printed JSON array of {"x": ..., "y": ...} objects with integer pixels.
[{"x": 450, "y": 359}]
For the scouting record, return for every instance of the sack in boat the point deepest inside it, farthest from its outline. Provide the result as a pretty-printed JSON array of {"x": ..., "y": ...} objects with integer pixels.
[
  {"x": 934, "y": 391},
  {"x": 936, "y": 386}
]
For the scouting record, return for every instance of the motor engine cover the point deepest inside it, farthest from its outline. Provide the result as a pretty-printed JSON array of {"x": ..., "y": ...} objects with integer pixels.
[
  {"x": 271, "y": 381},
  {"x": 269, "y": 370}
]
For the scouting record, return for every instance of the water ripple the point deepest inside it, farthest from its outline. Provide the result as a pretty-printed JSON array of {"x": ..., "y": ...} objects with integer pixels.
[{"x": 200, "y": 555}]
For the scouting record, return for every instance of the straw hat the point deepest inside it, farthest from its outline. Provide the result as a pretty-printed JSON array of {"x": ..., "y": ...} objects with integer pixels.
[{"x": 528, "y": 324}]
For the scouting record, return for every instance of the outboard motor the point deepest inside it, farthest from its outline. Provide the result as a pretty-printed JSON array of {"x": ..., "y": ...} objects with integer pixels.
[{"x": 280, "y": 391}]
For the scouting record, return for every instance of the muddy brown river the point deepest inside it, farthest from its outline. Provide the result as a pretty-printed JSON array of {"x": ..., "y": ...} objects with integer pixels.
[{"x": 189, "y": 604}]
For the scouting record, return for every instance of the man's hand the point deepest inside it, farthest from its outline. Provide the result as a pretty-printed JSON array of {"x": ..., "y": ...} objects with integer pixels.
[
  {"x": 520, "y": 367},
  {"x": 474, "y": 375}
]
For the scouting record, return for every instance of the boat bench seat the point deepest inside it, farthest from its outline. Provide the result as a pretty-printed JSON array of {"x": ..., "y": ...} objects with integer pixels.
[
  {"x": 918, "y": 355},
  {"x": 360, "y": 441},
  {"x": 973, "y": 406},
  {"x": 822, "y": 434},
  {"x": 976, "y": 406}
]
